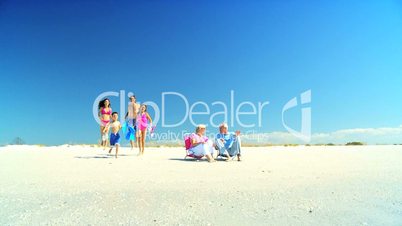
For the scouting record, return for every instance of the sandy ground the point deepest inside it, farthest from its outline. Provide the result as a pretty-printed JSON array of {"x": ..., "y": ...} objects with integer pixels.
[{"x": 272, "y": 186}]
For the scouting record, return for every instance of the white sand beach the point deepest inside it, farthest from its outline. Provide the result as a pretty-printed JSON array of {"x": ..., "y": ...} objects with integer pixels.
[{"x": 78, "y": 185}]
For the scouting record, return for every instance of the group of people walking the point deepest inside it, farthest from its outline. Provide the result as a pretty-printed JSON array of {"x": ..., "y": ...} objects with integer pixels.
[{"x": 137, "y": 122}]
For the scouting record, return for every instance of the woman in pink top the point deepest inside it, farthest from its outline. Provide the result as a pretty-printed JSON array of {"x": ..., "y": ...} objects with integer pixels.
[
  {"x": 201, "y": 145},
  {"x": 105, "y": 114}
]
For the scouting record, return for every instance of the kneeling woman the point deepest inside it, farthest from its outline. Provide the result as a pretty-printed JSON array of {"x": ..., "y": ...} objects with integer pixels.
[{"x": 200, "y": 145}]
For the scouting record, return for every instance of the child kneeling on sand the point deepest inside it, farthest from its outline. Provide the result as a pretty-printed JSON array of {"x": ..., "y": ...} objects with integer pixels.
[{"x": 114, "y": 136}]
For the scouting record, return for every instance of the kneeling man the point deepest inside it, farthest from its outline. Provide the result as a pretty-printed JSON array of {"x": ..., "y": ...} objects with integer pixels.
[{"x": 228, "y": 144}]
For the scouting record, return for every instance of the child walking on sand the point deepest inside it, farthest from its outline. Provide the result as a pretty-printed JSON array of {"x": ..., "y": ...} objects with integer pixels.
[
  {"x": 114, "y": 136},
  {"x": 143, "y": 118}
]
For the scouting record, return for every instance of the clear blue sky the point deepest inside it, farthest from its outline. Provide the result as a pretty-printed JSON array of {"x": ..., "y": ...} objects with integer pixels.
[{"x": 56, "y": 57}]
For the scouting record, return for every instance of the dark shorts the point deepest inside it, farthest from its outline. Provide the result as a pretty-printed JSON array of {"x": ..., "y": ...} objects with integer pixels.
[
  {"x": 114, "y": 139},
  {"x": 132, "y": 123},
  {"x": 135, "y": 124}
]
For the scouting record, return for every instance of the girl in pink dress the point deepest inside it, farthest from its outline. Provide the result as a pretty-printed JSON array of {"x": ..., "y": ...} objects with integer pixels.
[{"x": 142, "y": 124}]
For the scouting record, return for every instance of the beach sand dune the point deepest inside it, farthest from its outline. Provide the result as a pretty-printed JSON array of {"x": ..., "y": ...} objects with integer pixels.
[{"x": 78, "y": 185}]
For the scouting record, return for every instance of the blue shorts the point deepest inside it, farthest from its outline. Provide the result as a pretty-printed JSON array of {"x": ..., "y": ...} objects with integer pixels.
[{"x": 114, "y": 139}]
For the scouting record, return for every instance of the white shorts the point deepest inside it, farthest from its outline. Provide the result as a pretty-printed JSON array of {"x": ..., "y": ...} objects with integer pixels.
[{"x": 203, "y": 149}]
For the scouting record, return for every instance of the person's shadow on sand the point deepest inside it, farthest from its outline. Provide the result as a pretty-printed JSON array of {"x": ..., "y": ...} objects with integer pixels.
[
  {"x": 102, "y": 156},
  {"x": 93, "y": 157},
  {"x": 219, "y": 159},
  {"x": 188, "y": 160}
]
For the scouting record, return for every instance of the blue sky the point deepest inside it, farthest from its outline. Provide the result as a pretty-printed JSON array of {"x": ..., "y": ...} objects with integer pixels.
[{"x": 56, "y": 57}]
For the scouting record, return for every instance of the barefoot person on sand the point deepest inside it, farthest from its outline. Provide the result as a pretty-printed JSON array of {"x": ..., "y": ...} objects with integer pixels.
[
  {"x": 228, "y": 144},
  {"x": 114, "y": 136},
  {"x": 104, "y": 113},
  {"x": 131, "y": 116},
  {"x": 200, "y": 145},
  {"x": 142, "y": 121}
]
